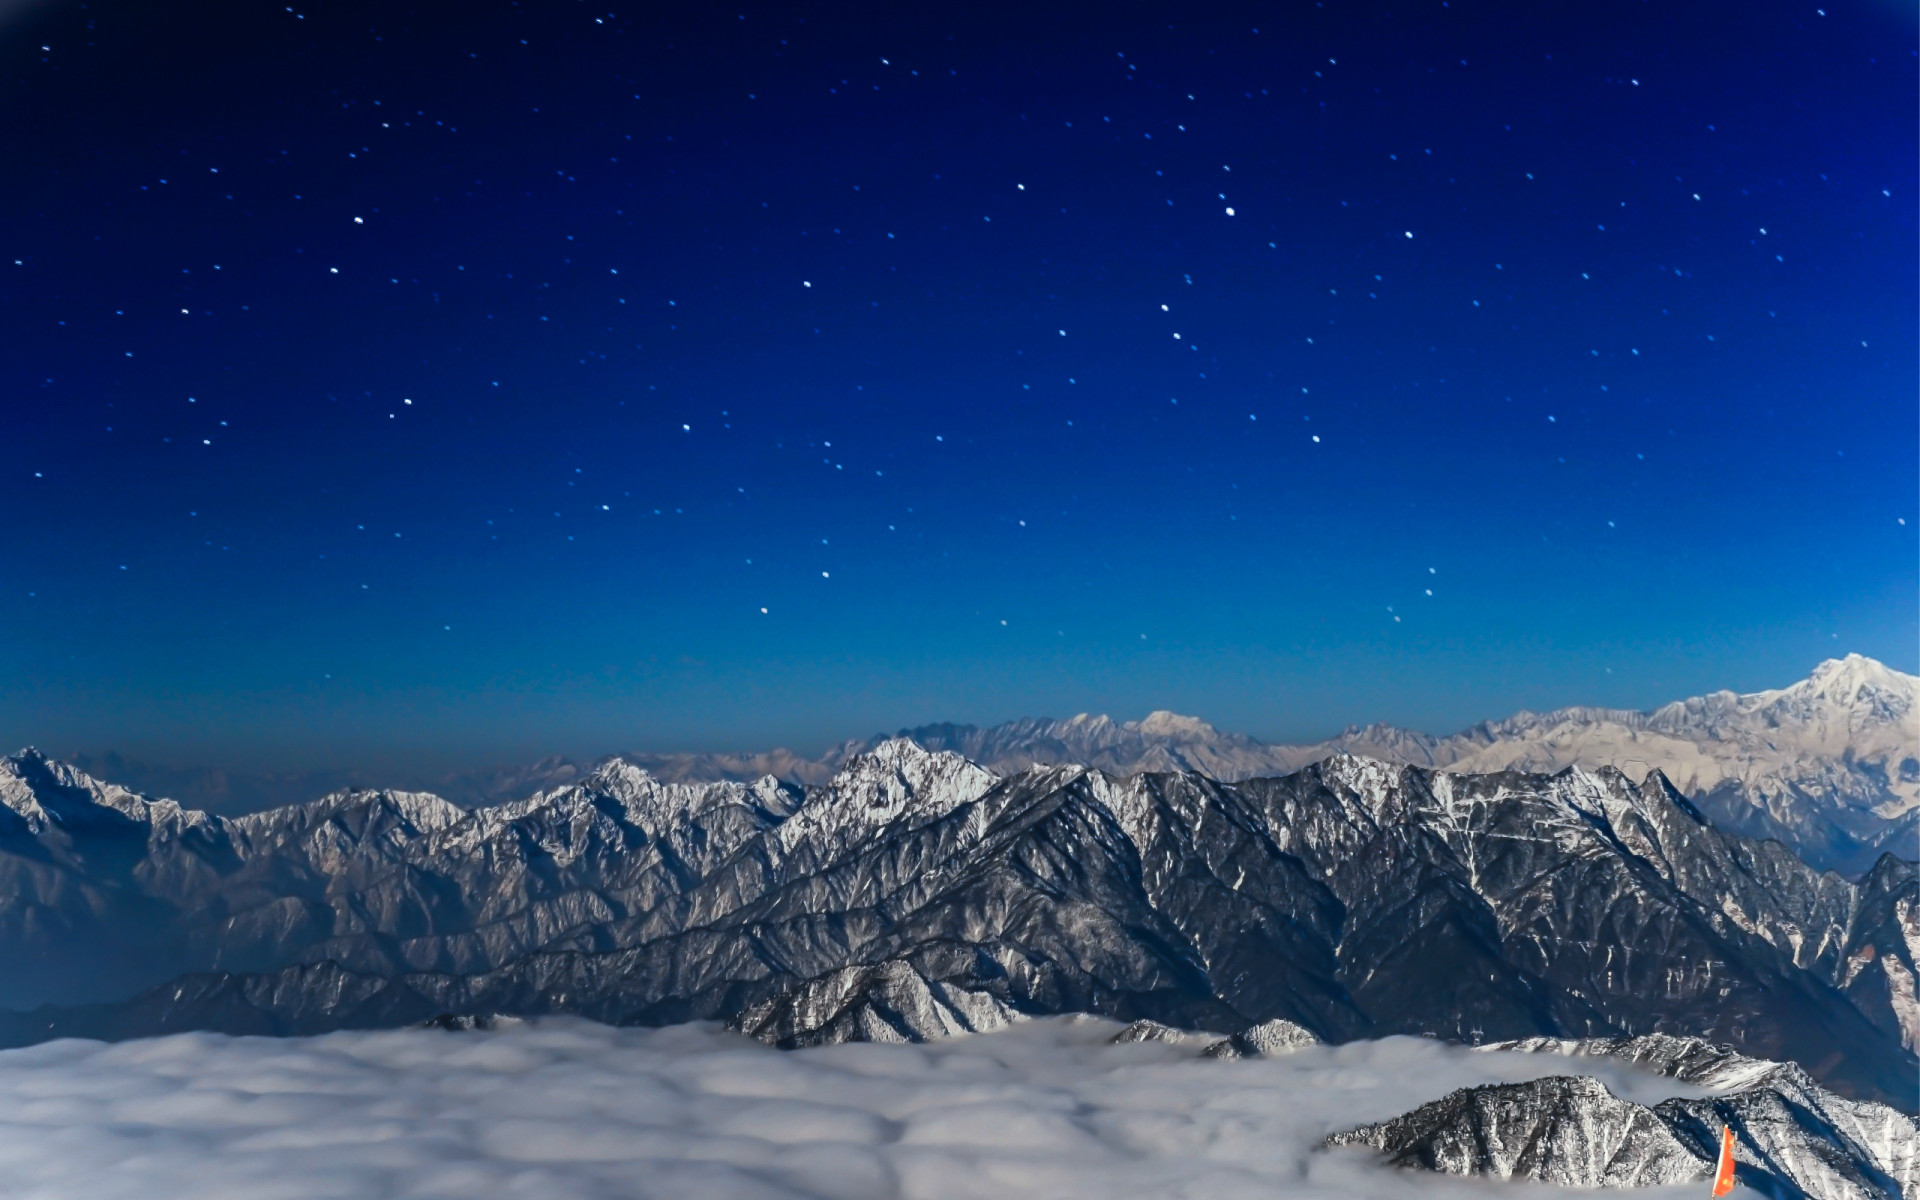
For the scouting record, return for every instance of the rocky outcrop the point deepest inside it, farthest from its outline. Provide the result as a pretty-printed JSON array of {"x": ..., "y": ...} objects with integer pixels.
[
  {"x": 1268, "y": 1038},
  {"x": 1793, "y": 1138},
  {"x": 1144, "y": 1030},
  {"x": 1567, "y": 1130},
  {"x": 890, "y": 1002}
]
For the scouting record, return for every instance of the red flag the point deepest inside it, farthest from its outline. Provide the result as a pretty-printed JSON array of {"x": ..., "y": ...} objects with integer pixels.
[{"x": 1723, "y": 1178}]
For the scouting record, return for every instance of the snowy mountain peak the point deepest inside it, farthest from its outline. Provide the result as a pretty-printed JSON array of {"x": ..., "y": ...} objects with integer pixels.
[
  {"x": 423, "y": 810},
  {"x": 1082, "y": 721},
  {"x": 777, "y": 798},
  {"x": 896, "y": 778},
  {"x": 1370, "y": 779},
  {"x": 1861, "y": 691},
  {"x": 43, "y": 791},
  {"x": 893, "y": 753},
  {"x": 1857, "y": 670},
  {"x": 900, "y": 773},
  {"x": 1174, "y": 727},
  {"x": 656, "y": 805},
  {"x": 619, "y": 775},
  {"x": 17, "y": 795},
  {"x": 1862, "y": 684},
  {"x": 1694, "y": 1060}
]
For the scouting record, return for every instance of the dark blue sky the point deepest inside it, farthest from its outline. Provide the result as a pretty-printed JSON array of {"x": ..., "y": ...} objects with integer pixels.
[{"x": 445, "y": 387}]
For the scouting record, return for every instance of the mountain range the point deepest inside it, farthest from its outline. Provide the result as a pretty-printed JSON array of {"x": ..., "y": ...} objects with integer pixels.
[
  {"x": 1829, "y": 766},
  {"x": 1353, "y": 898}
]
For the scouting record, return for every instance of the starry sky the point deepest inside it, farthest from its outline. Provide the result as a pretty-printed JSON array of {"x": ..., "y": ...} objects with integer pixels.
[{"x": 438, "y": 387}]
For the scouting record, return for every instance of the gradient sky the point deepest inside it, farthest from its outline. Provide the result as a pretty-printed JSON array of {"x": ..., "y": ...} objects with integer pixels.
[{"x": 442, "y": 387}]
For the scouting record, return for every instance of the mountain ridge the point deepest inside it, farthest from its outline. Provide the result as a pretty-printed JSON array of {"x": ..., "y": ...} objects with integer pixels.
[
  {"x": 1342, "y": 898},
  {"x": 1793, "y": 1138},
  {"x": 1829, "y": 765}
]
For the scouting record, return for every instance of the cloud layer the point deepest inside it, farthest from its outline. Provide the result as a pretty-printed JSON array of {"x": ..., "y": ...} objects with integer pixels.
[{"x": 565, "y": 1108}]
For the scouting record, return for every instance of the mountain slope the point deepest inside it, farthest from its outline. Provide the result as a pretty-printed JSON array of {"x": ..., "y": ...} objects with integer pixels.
[
  {"x": 1793, "y": 1138},
  {"x": 1829, "y": 766},
  {"x": 1567, "y": 1130}
]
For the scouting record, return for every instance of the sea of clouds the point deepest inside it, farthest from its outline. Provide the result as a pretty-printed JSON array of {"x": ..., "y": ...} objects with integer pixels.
[{"x": 565, "y": 1108}]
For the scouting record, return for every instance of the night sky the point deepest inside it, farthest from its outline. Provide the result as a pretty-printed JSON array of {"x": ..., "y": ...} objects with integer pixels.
[{"x": 446, "y": 387}]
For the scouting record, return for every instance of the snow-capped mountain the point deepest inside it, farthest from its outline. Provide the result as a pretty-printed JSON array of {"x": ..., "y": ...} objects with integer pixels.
[
  {"x": 1830, "y": 765},
  {"x": 1793, "y": 1138},
  {"x": 1352, "y": 898}
]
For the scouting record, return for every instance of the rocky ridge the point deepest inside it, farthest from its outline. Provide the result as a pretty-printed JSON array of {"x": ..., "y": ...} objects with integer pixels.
[
  {"x": 1793, "y": 1138},
  {"x": 1568, "y": 1130},
  {"x": 1829, "y": 766},
  {"x": 919, "y": 891}
]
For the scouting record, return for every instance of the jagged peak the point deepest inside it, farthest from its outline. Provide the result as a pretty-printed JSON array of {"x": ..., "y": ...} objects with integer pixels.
[
  {"x": 874, "y": 788},
  {"x": 618, "y": 772},
  {"x": 1369, "y": 778},
  {"x": 896, "y": 755},
  {"x": 1687, "y": 1058},
  {"x": 1348, "y": 761},
  {"x": 653, "y": 803},
  {"x": 75, "y": 795},
  {"x": 1375, "y": 729},
  {"x": 424, "y": 811},
  {"x": 1843, "y": 679},
  {"x": 1856, "y": 683},
  {"x": 774, "y": 795}
]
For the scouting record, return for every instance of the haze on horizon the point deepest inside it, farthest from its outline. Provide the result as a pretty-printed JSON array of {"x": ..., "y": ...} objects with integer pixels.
[{"x": 395, "y": 394}]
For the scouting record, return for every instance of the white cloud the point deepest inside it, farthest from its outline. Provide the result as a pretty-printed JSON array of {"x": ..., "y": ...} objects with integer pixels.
[{"x": 568, "y": 1109}]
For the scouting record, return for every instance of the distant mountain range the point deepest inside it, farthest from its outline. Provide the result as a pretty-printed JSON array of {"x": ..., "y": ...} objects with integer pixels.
[{"x": 1830, "y": 766}]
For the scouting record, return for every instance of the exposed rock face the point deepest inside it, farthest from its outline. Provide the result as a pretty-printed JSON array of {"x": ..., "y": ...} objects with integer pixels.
[
  {"x": 1353, "y": 898},
  {"x": 453, "y": 1023},
  {"x": 1793, "y": 1134},
  {"x": 1688, "y": 1059},
  {"x": 1793, "y": 1138},
  {"x": 891, "y": 1002},
  {"x": 1277, "y": 1036},
  {"x": 1144, "y": 1030},
  {"x": 1564, "y": 1129}
]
